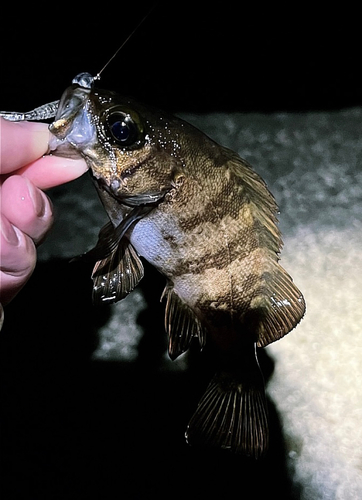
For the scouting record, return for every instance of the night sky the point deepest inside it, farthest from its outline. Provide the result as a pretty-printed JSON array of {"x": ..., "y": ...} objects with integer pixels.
[{"x": 187, "y": 56}]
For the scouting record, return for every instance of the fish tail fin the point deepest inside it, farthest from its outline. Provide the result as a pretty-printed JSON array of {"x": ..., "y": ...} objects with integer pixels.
[{"x": 232, "y": 415}]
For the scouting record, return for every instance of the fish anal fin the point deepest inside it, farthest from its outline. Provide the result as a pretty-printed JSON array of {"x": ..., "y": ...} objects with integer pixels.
[
  {"x": 115, "y": 276},
  {"x": 231, "y": 415},
  {"x": 278, "y": 310},
  {"x": 181, "y": 324}
]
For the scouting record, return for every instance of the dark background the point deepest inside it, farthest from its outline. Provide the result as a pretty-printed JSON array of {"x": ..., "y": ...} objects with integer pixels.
[
  {"x": 75, "y": 428},
  {"x": 189, "y": 56}
]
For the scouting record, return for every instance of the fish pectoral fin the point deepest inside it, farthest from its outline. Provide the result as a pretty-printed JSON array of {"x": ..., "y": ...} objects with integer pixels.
[
  {"x": 231, "y": 415},
  {"x": 110, "y": 237},
  {"x": 181, "y": 324},
  {"x": 280, "y": 310},
  {"x": 101, "y": 250},
  {"x": 115, "y": 276}
]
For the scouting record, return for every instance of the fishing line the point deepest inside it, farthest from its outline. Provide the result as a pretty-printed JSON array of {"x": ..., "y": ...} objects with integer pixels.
[
  {"x": 98, "y": 75},
  {"x": 85, "y": 80}
]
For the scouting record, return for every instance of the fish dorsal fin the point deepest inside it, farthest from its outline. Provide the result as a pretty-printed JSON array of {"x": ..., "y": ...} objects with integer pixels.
[
  {"x": 115, "y": 276},
  {"x": 181, "y": 324},
  {"x": 279, "y": 305},
  {"x": 256, "y": 193}
]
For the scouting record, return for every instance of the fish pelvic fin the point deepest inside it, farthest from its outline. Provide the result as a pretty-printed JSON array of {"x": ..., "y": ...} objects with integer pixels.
[
  {"x": 115, "y": 276},
  {"x": 181, "y": 324},
  {"x": 231, "y": 415}
]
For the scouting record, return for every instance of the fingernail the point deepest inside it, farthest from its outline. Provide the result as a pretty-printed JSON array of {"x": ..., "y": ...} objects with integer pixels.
[
  {"x": 39, "y": 203},
  {"x": 37, "y": 198},
  {"x": 9, "y": 233}
]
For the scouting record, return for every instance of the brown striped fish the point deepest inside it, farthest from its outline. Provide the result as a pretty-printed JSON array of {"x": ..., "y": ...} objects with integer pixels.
[{"x": 200, "y": 215}]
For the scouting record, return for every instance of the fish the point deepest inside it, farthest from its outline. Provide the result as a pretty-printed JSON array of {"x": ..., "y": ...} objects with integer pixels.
[{"x": 201, "y": 215}]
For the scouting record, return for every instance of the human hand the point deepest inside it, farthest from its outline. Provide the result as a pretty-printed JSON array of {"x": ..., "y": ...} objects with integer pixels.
[{"x": 25, "y": 210}]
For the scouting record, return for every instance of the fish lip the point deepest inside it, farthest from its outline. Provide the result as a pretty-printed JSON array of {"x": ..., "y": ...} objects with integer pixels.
[
  {"x": 147, "y": 199},
  {"x": 62, "y": 149},
  {"x": 73, "y": 155}
]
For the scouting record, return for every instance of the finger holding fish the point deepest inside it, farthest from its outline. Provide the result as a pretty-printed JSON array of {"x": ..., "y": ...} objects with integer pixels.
[
  {"x": 51, "y": 171},
  {"x": 23, "y": 151},
  {"x": 27, "y": 213},
  {"x": 21, "y": 143}
]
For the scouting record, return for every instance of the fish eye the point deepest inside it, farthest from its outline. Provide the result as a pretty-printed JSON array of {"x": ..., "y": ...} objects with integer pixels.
[{"x": 123, "y": 129}]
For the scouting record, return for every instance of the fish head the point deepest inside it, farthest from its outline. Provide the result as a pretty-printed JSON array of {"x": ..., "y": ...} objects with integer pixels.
[{"x": 130, "y": 149}]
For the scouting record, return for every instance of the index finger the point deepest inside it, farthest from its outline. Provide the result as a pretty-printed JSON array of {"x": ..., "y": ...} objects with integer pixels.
[
  {"x": 21, "y": 143},
  {"x": 50, "y": 171}
]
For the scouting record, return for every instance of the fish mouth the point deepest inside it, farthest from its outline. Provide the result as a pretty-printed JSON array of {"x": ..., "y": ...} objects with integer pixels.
[
  {"x": 62, "y": 149},
  {"x": 152, "y": 198},
  {"x": 144, "y": 199}
]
